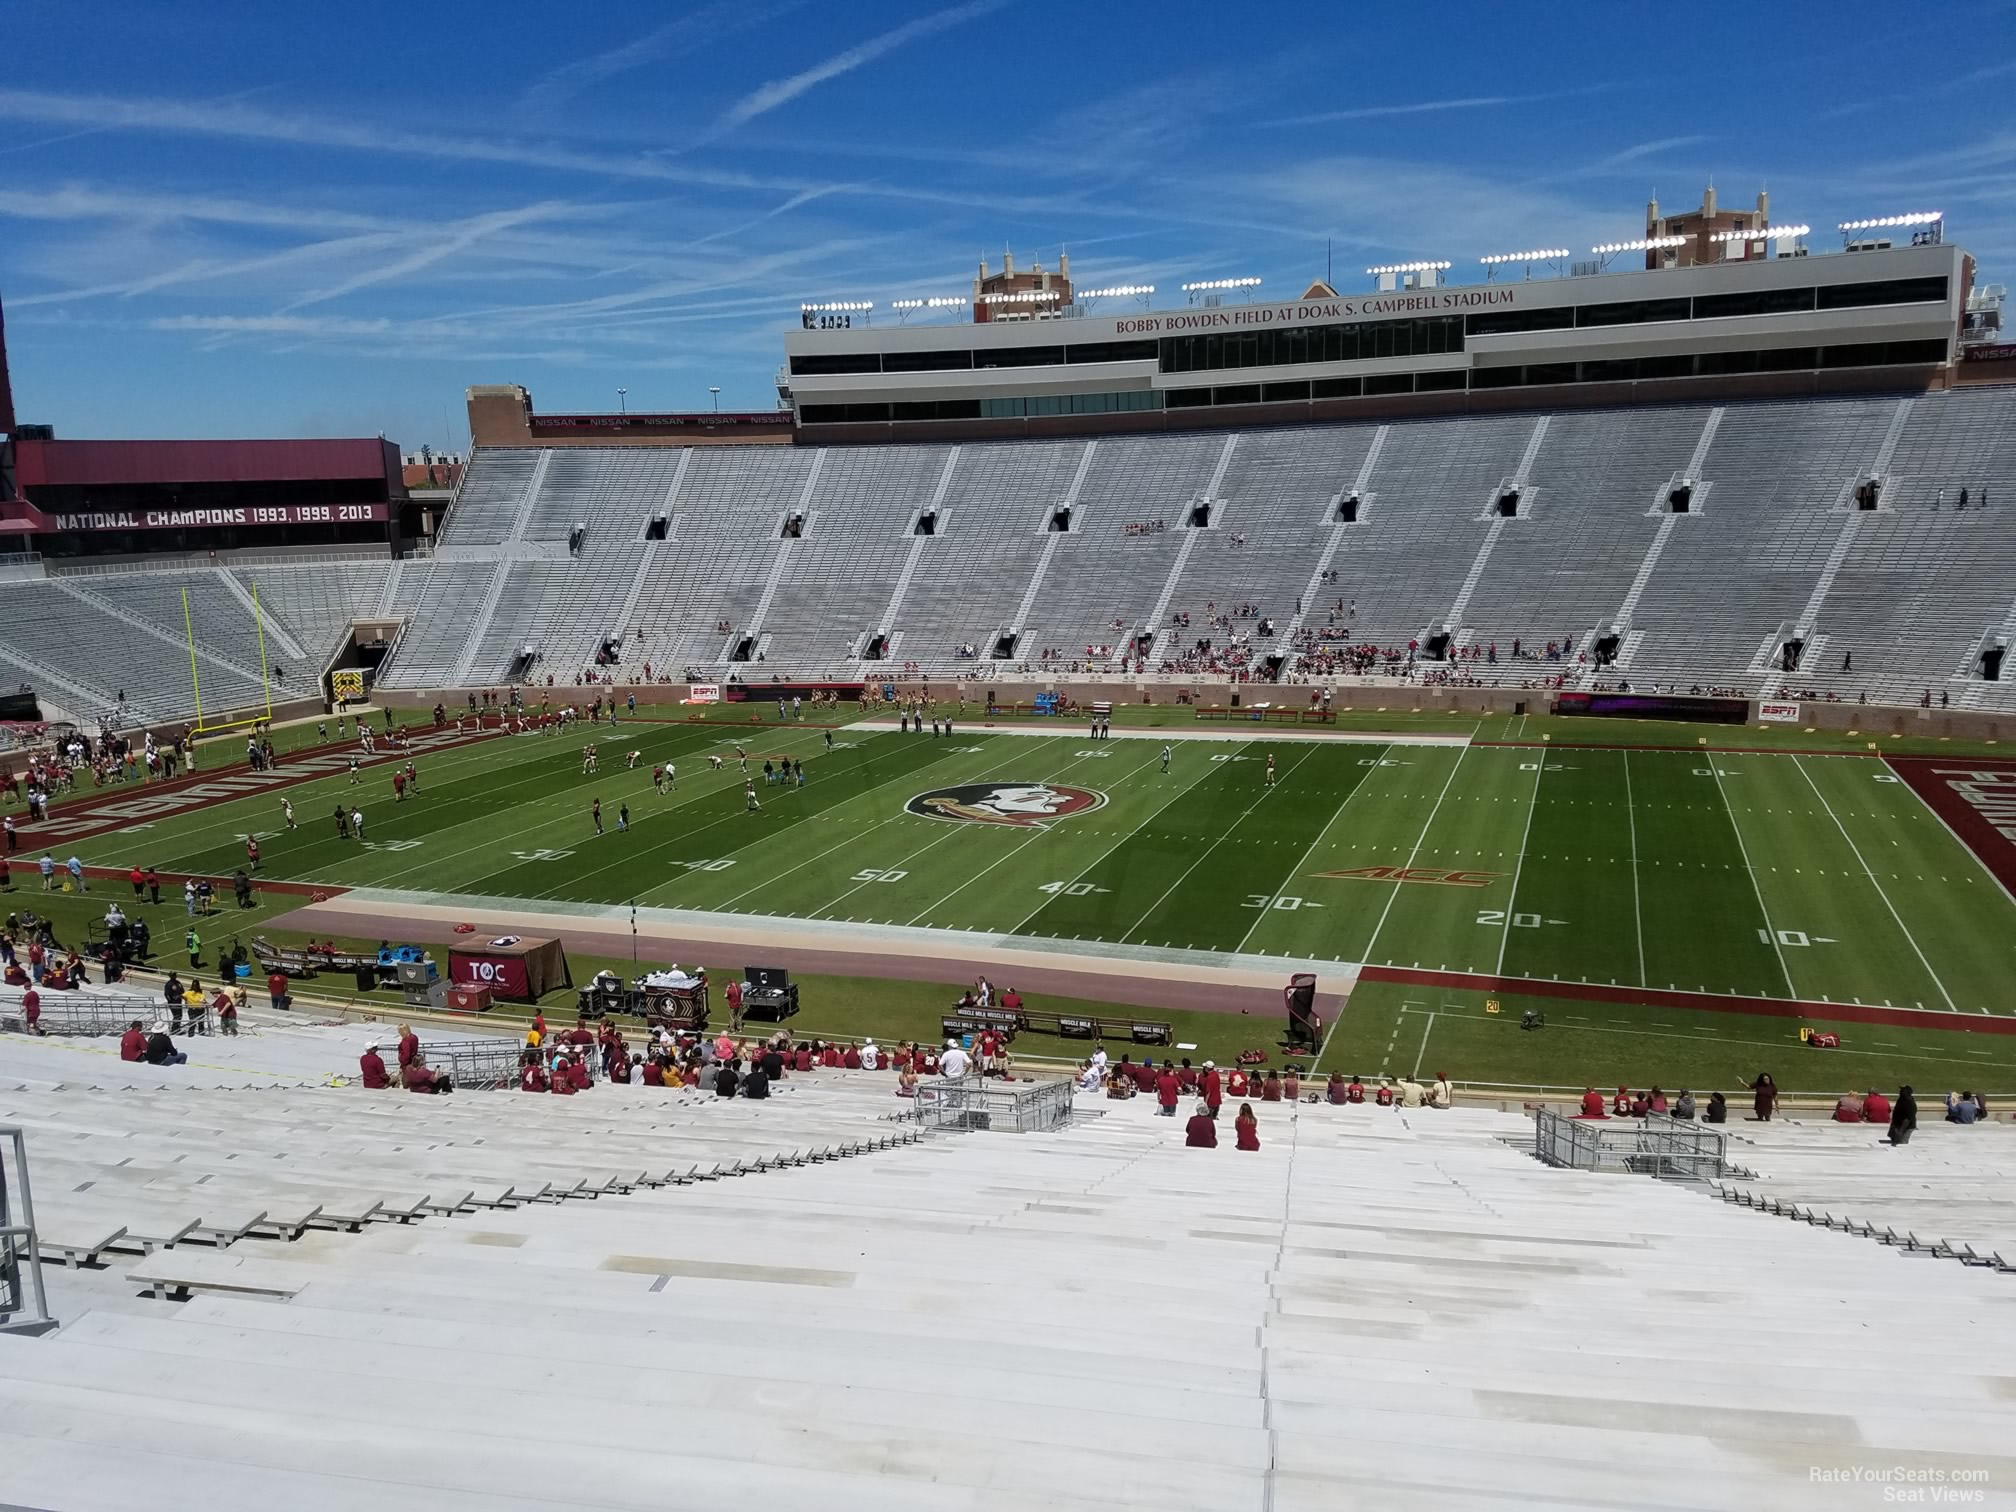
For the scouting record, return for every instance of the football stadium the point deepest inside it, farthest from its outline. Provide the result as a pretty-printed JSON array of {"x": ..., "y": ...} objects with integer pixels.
[{"x": 1400, "y": 896}]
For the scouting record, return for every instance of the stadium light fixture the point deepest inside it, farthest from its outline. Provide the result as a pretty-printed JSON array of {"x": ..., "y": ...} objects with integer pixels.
[
  {"x": 944, "y": 302},
  {"x": 1118, "y": 291},
  {"x": 1643, "y": 244},
  {"x": 1208, "y": 284},
  {"x": 837, "y": 306},
  {"x": 1775, "y": 233},
  {"x": 906, "y": 304},
  {"x": 1539, "y": 254},
  {"x": 1410, "y": 267},
  {"x": 1026, "y": 296},
  {"x": 1913, "y": 218}
]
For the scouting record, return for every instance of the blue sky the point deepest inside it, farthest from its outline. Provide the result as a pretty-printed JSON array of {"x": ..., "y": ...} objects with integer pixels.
[{"x": 323, "y": 220}]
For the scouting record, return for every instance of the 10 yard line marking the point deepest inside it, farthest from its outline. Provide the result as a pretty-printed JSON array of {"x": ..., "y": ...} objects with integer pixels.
[
  {"x": 1756, "y": 887},
  {"x": 1637, "y": 911},
  {"x": 1518, "y": 866},
  {"x": 1856, "y": 850}
]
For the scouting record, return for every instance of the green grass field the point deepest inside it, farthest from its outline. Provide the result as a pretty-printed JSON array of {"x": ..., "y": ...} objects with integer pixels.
[{"x": 1775, "y": 874}]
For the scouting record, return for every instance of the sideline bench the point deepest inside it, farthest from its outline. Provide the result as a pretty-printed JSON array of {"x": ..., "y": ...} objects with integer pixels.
[{"x": 1139, "y": 1031}]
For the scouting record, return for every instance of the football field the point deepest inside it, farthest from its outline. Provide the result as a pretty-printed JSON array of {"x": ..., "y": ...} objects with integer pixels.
[{"x": 1819, "y": 877}]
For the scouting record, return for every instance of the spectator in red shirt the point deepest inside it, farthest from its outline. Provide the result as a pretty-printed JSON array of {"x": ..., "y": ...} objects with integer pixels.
[
  {"x": 1214, "y": 1091},
  {"x": 133, "y": 1043},
  {"x": 372, "y": 1065},
  {"x": 1875, "y": 1107},
  {"x": 1167, "y": 1089},
  {"x": 1011, "y": 1000},
  {"x": 139, "y": 880},
  {"x": 1186, "y": 1076},
  {"x": 1620, "y": 1105},
  {"x": 801, "y": 1058},
  {"x": 852, "y": 1059},
  {"x": 276, "y": 989},
  {"x": 1335, "y": 1092},
  {"x": 654, "y": 1074},
  {"x": 1592, "y": 1104},
  {"x": 1356, "y": 1091},
  {"x": 1656, "y": 1103},
  {"x": 1235, "y": 1085},
  {"x": 31, "y": 1010},
  {"x": 1270, "y": 1089},
  {"x": 1848, "y": 1108},
  {"x": 1384, "y": 1096},
  {"x": 409, "y": 1046},
  {"x": 1246, "y": 1129},
  {"x": 1201, "y": 1133},
  {"x": 735, "y": 1006},
  {"x": 532, "y": 1075},
  {"x": 416, "y": 1077},
  {"x": 1291, "y": 1084}
]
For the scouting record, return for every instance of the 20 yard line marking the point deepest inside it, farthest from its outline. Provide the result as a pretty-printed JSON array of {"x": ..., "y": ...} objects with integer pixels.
[
  {"x": 1533, "y": 805},
  {"x": 1394, "y": 896},
  {"x": 1910, "y": 939}
]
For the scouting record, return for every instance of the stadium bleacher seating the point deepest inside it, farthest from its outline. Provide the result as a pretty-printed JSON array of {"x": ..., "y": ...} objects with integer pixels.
[
  {"x": 1771, "y": 547},
  {"x": 1400, "y": 1308}
]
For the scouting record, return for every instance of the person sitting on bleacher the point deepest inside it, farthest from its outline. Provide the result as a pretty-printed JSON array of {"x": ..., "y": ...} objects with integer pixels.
[
  {"x": 756, "y": 1083},
  {"x": 1961, "y": 1108},
  {"x": 1848, "y": 1108},
  {"x": 161, "y": 1050},
  {"x": 1718, "y": 1109},
  {"x": 1270, "y": 1089},
  {"x": 371, "y": 1065},
  {"x": 133, "y": 1043},
  {"x": 1201, "y": 1133},
  {"x": 1683, "y": 1105},
  {"x": 532, "y": 1075},
  {"x": 1356, "y": 1091},
  {"x": 1384, "y": 1096},
  {"x": 1593, "y": 1104},
  {"x": 727, "y": 1080},
  {"x": 1875, "y": 1107},
  {"x": 1120, "y": 1085},
  {"x": 1620, "y": 1105},
  {"x": 1335, "y": 1091},
  {"x": 416, "y": 1077}
]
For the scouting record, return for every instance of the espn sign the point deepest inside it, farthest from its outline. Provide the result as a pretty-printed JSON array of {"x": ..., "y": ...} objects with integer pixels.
[
  {"x": 703, "y": 693},
  {"x": 1777, "y": 713}
]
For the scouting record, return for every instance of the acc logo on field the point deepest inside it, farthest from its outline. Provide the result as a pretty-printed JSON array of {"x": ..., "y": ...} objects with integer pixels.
[{"x": 1028, "y": 805}]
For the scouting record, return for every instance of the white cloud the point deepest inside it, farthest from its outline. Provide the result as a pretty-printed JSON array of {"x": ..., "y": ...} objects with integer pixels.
[
  {"x": 672, "y": 40},
  {"x": 1430, "y": 107},
  {"x": 782, "y": 91},
  {"x": 460, "y": 238}
]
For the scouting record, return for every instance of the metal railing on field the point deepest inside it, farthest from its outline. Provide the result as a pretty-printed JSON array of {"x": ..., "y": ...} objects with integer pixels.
[
  {"x": 24, "y": 1304},
  {"x": 1668, "y": 1148},
  {"x": 973, "y": 1102}
]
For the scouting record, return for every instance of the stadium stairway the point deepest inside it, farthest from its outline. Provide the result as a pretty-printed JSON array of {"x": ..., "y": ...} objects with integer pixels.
[{"x": 1391, "y": 1308}]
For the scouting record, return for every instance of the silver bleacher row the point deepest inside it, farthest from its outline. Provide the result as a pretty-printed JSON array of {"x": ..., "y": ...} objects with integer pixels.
[{"x": 1772, "y": 545}]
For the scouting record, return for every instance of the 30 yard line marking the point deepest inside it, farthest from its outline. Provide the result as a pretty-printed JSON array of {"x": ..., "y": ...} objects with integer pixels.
[
  {"x": 1756, "y": 888},
  {"x": 1637, "y": 912},
  {"x": 1203, "y": 855},
  {"x": 1518, "y": 866},
  {"x": 1800, "y": 767},
  {"x": 1303, "y": 860}
]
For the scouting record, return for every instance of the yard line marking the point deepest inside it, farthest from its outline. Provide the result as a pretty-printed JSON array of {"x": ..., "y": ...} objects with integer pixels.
[
  {"x": 1203, "y": 855},
  {"x": 1911, "y": 939},
  {"x": 1532, "y": 806},
  {"x": 1422, "y": 1055},
  {"x": 1756, "y": 887},
  {"x": 856, "y": 839},
  {"x": 1427, "y": 824},
  {"x": 1637, "y": 912},
  {"x": 1303, "y": 861},
  {"x": 1016, "y": 851},
  {"x": 1146, "y": 820}
]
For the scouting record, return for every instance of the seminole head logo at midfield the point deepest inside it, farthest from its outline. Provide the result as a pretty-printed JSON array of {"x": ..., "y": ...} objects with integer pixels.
[{"x": 1028, "y": 805}]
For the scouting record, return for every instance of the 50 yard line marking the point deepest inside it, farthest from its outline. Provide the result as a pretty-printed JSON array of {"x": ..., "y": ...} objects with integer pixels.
[
  {"x": 1856, "y": 851},
  {"x": 1519, "y": 865}
]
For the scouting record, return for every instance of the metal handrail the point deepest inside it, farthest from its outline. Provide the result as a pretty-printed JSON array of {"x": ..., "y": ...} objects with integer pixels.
[
  {"x": 20, "y": 1250},
  {"x": 973, "y": 1102},
  {"x": 1655, "y": 1145}
]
